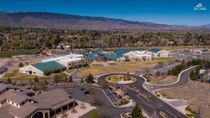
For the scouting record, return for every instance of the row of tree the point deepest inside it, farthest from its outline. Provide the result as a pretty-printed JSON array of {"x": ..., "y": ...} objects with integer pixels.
[
  {"x": 201, "y": 64},
  {"x": 20, "y": 38}
]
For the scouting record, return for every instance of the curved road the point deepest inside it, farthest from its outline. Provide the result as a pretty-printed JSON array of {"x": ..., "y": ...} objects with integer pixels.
[
  {"x": 182, "y": 80},
  {"x": 156, "y": 105}
]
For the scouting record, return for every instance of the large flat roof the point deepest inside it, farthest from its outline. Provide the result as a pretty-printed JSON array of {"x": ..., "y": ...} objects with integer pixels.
[
  {"x": 67, "y": 58},
  {"x": 48, "y": 67}
]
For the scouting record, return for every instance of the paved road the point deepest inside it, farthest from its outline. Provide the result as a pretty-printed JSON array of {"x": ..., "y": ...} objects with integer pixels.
[
  {"x": 150, "y": 108},
  {"x": 183, "y": 79},
  {"x": 74, "y": 74}
]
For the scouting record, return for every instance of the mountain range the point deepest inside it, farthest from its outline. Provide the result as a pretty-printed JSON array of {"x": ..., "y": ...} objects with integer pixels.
[{"x": 67, "y": 21}]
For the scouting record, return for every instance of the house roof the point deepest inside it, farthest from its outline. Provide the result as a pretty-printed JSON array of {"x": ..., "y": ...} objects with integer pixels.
[
  {"x": 3, "y": 87},
  {"x": 50, "y": 66},
  {"x": 121, "y": 51},
  {"x": 155, "y": 50},
  {"x": 24, "y": 111},
  {"x": 112, "y": 56},
  {"x": 52, "y": 99},
  {"x": 91, "y": 56},
  {"x": 13, "y": 96}
]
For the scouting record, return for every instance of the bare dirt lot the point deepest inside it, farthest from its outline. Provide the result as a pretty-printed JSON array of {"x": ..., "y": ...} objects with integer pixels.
[
  {"x": 162, "y": 79},
  {"x": 196, "y": 93}
]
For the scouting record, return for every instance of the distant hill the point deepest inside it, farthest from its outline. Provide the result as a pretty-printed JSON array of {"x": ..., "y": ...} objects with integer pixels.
[
  {"x": 206, "y": 26},
  {"x": 65, "y": 21}
]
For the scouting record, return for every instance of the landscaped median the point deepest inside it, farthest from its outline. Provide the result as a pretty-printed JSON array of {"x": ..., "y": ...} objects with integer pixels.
[
  {"x": 118, "y": 97},
  {"x": 189, "y": 112},
  {"x": 121, "y": 79}
]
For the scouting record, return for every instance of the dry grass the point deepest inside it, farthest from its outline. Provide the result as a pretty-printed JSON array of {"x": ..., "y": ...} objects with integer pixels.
[
  {"x": 16, "y": 75},
  {"x": 117, "y": 78},
  {"x": 70, "y": 70},
  {"x": 96, "y": 65},
  {"x": 181, "y": 47},
  {"x": 122, "y": 66},
  {"x": 100, "y": 70},
  {"x": 196, "y": 93},
  {"x": 162, "y": 79}
]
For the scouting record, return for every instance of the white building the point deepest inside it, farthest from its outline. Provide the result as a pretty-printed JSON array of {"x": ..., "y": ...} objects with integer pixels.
[
  {"x": 42, "y": 69},
  {"x": 31, "y": 70},
  {"x": 137, "y": 56},
  {"x": 162, "y": 53},
  {"x": 68, "y": 60},
  {"x": 199, "y": 51}
]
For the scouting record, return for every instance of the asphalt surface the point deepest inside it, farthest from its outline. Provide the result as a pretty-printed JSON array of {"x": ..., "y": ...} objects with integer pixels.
[
  {"x": 184, "y": 78},
  {"x": 105, "y": 108},
  {"x": 151, "y": 108},
  {"x": 74, "y": 74},
  {"x": 156, "y": 105}
]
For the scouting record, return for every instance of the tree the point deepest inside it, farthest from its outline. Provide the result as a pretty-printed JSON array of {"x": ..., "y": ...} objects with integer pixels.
[
  {"x": 136, "y": 112},
  {"x": 36, "y": 80},
  {"x": 30, "y": 83},
  {"x": 43, "y": 85},
  {"x": 20, "y": 64},
  {"x": 127, "y": 58},
  {"x": 9, "y": 81},
  {"x": 55, "y": 79},
  {"x": 94, "y": 114},
  {"x": 158, "y": 73},
  {"x": 193, "y": 75},
  {"x": 90, "y": 79},
  {"x": 70, "y": 79},
  {"x": 128, "y": 76},
  {"x": 81, "y": 80}
]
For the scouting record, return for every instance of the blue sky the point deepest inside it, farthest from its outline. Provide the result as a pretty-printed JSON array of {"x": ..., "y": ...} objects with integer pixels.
[{"x": 179, "y": 12}]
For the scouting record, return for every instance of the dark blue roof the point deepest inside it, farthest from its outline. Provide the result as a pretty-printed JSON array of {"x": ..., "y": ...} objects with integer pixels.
[
  {"x": 112, "y": 56},
  {"x": 48, "y": 67},
  {"x": 155, "y": 50},
  {"x": 121, "y": 51},
  {"x": 91, "y": 56}
]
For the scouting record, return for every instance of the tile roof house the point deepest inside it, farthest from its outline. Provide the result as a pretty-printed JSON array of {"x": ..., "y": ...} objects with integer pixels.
[{"x": 44, "y": 105}]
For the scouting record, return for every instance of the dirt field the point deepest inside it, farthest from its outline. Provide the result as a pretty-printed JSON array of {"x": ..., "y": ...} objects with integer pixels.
[
  {"x": 196, "y": 93},
  {"x": 162, "y": 79}
]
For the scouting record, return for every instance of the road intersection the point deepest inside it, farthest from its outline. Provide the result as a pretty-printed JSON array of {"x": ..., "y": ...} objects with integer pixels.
[{"x": 156, "y": 105}]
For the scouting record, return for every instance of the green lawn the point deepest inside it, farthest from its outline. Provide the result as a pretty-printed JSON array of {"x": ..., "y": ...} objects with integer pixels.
[{"x": 6, "y": 54}]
